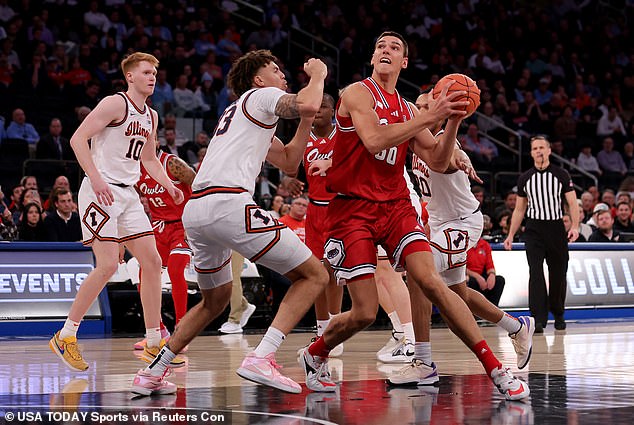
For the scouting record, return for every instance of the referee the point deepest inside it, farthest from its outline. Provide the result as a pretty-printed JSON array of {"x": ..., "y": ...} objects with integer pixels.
[{"x": 540, "y": 192}]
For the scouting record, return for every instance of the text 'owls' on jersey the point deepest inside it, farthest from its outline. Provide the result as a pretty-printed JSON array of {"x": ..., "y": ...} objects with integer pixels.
[
  {"x": 117, "y": 148},
  {"x": 240, "y": 142}
]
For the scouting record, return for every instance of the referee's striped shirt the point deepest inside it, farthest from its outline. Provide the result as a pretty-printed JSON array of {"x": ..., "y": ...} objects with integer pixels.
[{"x": 545, "y": 191}]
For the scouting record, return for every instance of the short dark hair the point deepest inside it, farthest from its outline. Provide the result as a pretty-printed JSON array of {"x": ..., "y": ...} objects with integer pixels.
[
  {"x": 56, "y": 193},
  {"x": 243, "y": 70},
  {"x": 397, "y": 35},
  {"x": 540, "y": 137}
]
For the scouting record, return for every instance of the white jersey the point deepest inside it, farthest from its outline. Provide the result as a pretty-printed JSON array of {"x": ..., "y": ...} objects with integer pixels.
[
  {"x": 117, "y": 148},
  {"x": 448, "y": 196},
  {"x": 241, "y": 141}
]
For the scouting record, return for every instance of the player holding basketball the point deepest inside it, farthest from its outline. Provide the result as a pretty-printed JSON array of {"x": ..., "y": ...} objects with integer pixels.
[
  {"x": 122, "y": 131},
  {"x": 221, "y": 215},
  {"x": 374, "y": 207},
  {"x": 455, "y": 221},
  {"x": 168, "y": 228}
]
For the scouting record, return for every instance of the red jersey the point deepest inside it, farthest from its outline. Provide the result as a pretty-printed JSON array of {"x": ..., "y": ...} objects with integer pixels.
[
  {"x": 358, "y": 173},
  {"x": 318, "y": 148},
  {"x": 297, "y": 226},
  {"x": 479, "y": 258},
  {"x": 161, "y": 204}
]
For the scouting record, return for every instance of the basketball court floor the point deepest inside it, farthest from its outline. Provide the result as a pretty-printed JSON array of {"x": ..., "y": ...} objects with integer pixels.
[{"x": 584, "y": 375}]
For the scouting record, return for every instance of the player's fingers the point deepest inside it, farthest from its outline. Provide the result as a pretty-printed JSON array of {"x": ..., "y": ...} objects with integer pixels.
[
  {"x": 445, "y": 89},
  {"x": 457, "y": 94}
]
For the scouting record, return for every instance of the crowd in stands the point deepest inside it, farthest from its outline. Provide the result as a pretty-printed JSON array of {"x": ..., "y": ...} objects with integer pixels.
[{"x": 563, "y": 68}]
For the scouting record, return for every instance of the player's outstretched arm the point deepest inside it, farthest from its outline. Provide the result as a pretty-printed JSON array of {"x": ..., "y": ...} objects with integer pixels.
[
  {"x": 110, "y": 109},
  {"x": 180, "y": 170},
  {"x": 287, "y": 158},
  {"x": 308, "y": 100}
]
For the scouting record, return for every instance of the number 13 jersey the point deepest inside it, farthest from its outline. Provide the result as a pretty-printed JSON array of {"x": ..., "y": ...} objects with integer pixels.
[
  {"x": 117, "y": 148},
  {"x": 240, "y": 142}
]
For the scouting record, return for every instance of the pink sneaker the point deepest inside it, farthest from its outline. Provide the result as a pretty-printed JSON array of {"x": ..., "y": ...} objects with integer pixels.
[
  {"x": 165, "y": 334},
  {"x": 146, "y": 384},
  {"x": 264, "y": 370}
]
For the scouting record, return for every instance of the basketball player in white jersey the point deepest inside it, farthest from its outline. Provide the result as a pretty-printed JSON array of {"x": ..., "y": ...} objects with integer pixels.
[
  {"x": 122, "y": 132},
  {"x": 221, "y": 215},
  {"x": 455, "y": 222}
]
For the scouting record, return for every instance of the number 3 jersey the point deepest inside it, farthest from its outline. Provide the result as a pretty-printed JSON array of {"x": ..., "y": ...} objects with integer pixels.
[
  {"x": 240, "y": 142},
  {"x": 360, "y": 174},
  {"x": 162, "y": 206},
  {"x": 117, "y": 148}
]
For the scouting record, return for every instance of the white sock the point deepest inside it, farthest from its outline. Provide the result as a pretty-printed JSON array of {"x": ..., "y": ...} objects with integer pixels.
[
  {"x": 271, "y": 341},
  {"x": 396, "y": 323},
  {"x": 321, "y": 326},
  {"x": 161, "y": 362},
  {"x": 408, "y": 330},
  {"x": 510, "y": 324},
  {"x": 153, "y": 337},
  {"x": 422, "y": 352},
  {"x": 69, "y": 330}
]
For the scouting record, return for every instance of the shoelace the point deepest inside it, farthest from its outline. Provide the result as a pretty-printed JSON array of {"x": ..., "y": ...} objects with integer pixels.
[{"x": 73, "y": 349}]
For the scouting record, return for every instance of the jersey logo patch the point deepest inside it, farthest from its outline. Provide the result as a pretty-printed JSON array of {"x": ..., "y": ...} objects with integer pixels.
[
  {"x": 259, "y": 220},
  {"x": 334, "y": 251}
]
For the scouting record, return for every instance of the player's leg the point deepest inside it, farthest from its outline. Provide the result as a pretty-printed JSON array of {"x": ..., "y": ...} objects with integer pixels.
[
  {"x": 241, "y": 309},
  {"x": 421, "y": 271},
  {"x": 519, "y": 330},
  {"x": 64, "y": 342},
  {"x": 390, "y": 284},
  {"x": 177, "y": 262}
]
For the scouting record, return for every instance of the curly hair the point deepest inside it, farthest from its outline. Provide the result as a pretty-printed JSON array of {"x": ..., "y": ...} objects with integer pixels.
[{"x": 240, "y": 77}]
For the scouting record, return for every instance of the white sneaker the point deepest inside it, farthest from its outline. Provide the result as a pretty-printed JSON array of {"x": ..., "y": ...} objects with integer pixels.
[
  {"x": 416, "y": 373},
  {"x": 402, "y": 353},
  {"x": 230, "y": 328},
  {"x": 337, "y": 351},
  {"x": 523, "y": 341},
  {"x": 391, "y": 343},
  {"x": 317, "y": 374},
  {"x": 246, "y": 315},
  {"x": 507, "y": 384}
]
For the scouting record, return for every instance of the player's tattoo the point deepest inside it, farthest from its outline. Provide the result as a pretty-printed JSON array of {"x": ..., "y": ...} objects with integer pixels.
[
  {"x": 179, "y": 169},
  {"x": 287, "y": 107}
]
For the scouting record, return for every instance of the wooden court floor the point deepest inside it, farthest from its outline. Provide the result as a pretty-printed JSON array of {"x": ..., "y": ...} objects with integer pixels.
[{"x": 584, "y": 375}]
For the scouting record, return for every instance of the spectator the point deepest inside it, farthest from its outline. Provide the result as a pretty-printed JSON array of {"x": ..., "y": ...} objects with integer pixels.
[
  {"x": 611, "y": 125},
  {"x": 481, "y": 272},
  {"x": 94, "y": 18},
  {"x": 29, "y": 182},
  {"x": 53, "y": 145},
  {"x": 611, "y": 164},
  {"x": 584, "y": 229},
  {"x": 189, "y": 151},
  {"x": 169, "y": 122},
  {"x": 628, "y": 156},
  {"x": 276, "y": 206},
  {"x": 510, "y": 198},
  {"x": 604, "y": 231},
  {"x": 170, "y": 142},
  {"x": 16, "y": 194},
  {"x": 185, "y": 102},
  {"x": 587, "y": 162},
  {"x": 565, "y": 128},
  {"x": 568, "y": 224},
  {"x": 3, "y": 134},
  {"x": 609, "y": 198},
  {"x": 8, "y": 229},
  {"x": 31, "y": 227},
  {"x": 61, "y": 182},
  {"x": 63, "y": 224},
  {"x": 20, "y": 129},
  {"x": 623, "y": 222},
  {"x": 598, "y": 208},
  {"x": 503, "y": 222},
  {"x": 163, "y": 96},
  {"x": 296, "y": 217},
  {"x": 481, "y": 150}
]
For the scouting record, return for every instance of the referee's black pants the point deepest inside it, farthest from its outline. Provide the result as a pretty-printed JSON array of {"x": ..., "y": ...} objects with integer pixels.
[{"x": 546, "y": 239}]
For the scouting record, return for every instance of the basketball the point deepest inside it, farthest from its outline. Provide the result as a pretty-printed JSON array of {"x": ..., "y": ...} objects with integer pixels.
[{"x": 462, "y": 83}]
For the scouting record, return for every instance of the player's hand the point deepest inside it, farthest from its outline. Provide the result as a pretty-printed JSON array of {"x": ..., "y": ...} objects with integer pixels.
[
  {"x": 508, "y": 243},
  {"x": 446, "y": 105},
  {"x": 319, "y": 166},
  {"x": 573, "y": 234},
  {"x": 315, "y": 68},
  {"x": 176, "y": 194},
  {"x": 295, "y": 187},
  {"x": 102, "y": 191},
  {"x": 464, "y": 163}
]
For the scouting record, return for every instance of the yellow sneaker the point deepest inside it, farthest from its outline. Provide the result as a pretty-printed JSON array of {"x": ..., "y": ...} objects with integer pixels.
[
  {"x": 150, "y": 353},
  {"x": 68, "y": 350}
]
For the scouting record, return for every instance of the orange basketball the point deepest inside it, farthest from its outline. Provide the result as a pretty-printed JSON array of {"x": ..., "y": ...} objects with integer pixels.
[{"x": 462, "y": 83}]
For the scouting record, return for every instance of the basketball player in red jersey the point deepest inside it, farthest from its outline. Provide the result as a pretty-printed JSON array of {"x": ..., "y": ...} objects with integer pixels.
[
  {"x": 373, "y": 207},
  {"x": 168, "y": 228},
  {"x": 316, "y": 161}
]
